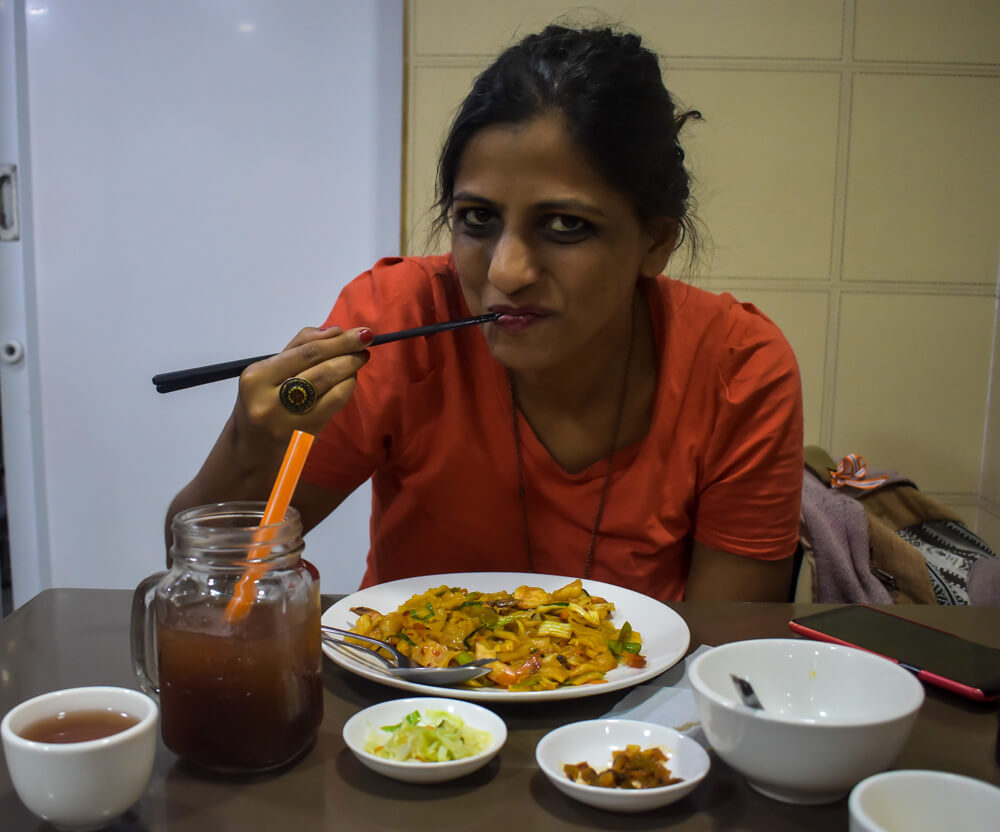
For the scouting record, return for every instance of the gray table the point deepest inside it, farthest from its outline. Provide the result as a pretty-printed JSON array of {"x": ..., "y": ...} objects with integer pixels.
[{"x": 65, "y": 638}]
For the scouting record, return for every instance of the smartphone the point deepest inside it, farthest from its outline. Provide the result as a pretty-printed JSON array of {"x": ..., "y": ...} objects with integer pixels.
[{"x": 936, "y": 657}]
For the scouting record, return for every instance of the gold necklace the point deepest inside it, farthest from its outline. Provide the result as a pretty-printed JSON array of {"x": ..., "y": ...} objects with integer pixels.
[{"x": 605, "y": 486}]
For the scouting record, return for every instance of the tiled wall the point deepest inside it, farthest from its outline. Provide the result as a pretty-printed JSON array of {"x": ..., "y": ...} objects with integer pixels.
[{"x": 848, "y": 174}]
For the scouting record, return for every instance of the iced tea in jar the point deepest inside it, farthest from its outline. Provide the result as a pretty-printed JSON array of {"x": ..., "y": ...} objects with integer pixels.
[{"x": 239, "y": 686}]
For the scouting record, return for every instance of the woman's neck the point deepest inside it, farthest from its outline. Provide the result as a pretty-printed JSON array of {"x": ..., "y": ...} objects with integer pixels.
[
  {"x": 578, "y": 382},
  {"x": 574, "y": 409}
]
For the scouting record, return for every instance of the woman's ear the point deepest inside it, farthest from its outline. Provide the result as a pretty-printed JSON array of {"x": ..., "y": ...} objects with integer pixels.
[{"x": 661, "y": 236}]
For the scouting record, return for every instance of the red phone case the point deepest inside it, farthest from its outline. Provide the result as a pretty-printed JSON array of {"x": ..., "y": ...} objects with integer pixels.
[{"x": 924, "y": 675}]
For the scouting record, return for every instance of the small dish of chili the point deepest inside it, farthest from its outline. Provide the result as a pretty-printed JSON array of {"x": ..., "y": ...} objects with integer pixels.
[{"x": 622, "y": 765}]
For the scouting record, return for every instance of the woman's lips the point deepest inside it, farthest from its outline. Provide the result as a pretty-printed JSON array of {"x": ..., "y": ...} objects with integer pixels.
[{"x": 515, "y": 318}]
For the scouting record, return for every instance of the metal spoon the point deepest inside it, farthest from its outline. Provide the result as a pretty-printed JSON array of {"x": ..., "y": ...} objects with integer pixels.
[
  {"x": 746, "y": 692},
  {"x": 402, "y": 667}
]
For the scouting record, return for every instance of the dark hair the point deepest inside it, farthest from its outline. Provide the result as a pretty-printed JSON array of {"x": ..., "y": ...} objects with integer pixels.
[{"x": 609, "y": 90}]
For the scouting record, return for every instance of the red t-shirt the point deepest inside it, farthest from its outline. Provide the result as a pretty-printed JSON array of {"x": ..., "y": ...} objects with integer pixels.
[{"x": 430, "y": 423}]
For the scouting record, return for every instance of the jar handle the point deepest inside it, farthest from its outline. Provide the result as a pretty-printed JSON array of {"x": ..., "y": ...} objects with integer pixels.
[{"x": 143, "y": 635}]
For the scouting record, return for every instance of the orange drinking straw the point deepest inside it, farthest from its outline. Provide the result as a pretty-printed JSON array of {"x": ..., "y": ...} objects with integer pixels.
[{"x": 274, "y": 512}]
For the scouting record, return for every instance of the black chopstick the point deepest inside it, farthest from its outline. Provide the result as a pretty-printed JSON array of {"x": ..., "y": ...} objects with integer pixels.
[{"x": 182, "y": 379}]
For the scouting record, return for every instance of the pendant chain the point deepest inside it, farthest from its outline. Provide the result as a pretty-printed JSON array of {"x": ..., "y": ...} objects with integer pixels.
[{"x": 605, "y": 486}]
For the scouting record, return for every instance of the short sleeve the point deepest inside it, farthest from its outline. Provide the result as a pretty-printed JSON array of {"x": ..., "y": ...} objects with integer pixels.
[
  {"x": 750, "y": 487},
  {"x": 397, "y": 293}
]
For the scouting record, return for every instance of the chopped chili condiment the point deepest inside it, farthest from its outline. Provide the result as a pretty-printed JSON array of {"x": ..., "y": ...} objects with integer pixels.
[{"x": 633, "y": 768}]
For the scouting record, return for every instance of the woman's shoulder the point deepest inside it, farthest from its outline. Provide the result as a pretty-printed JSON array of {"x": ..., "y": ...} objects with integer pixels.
[
  {"x": 695, "y": 313},
  {"x": 401, "y": 292},
  {"x": 732, "y": 342},
  {"x": 416, "y": 269}
]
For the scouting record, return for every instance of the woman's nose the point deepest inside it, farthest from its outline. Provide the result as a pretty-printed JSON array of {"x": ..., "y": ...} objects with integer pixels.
[{"x": 512, "y": 265}]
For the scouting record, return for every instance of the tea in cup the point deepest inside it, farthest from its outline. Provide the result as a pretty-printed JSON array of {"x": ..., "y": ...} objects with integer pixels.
[{"x": 80, "y": 757}]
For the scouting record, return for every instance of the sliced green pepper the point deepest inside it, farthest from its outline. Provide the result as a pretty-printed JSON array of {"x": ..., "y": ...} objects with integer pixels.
[
  {"x": 465, "y": 640},
  {"x": 622, "y": 643},
  {"x": 429, "y": 614},
  {"x": 504, "y": 620},
  {"x": 546, "y": 607}
]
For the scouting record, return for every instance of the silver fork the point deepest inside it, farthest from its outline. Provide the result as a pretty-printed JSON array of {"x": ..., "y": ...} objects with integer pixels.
[{"x": 402, "y": 667}]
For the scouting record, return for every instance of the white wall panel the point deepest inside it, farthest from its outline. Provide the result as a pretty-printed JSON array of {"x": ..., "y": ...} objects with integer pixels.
[
  {"x": 959, "y": 31},
  {"x": 206, "y": 176},
  {"x": 808, "y": 29}
]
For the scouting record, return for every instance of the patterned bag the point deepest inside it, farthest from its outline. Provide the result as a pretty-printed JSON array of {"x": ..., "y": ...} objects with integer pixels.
[{"x": 950, "y": 550}]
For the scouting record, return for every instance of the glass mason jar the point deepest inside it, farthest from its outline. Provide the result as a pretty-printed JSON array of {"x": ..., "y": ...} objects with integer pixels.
[{"x": 239, "y": 690}]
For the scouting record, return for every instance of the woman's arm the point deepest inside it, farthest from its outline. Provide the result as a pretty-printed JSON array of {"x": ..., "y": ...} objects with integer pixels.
[
  {"x": 215, "y": 484},
  {"x": 245, "y": 459},
  {"x": 748, "y": 506},
  {"x": 721, "y": 576}
]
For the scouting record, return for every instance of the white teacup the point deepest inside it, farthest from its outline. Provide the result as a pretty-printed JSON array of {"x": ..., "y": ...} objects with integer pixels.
[
  {"x": 914, "y": 800},
  {"x": 81, "y": 785}
]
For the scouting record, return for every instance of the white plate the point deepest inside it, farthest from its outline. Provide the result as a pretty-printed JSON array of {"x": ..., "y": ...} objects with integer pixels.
[{"x": 665, "y": 636}]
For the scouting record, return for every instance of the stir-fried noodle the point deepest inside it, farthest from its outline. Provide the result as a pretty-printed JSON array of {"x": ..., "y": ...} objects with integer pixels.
[{"x": 540, "y": 640}]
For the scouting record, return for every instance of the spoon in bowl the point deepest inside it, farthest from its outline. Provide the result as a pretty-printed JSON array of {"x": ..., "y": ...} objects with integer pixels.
[
  {"x": 746, "y": 692},
  {"x": 402, "y": 667}
]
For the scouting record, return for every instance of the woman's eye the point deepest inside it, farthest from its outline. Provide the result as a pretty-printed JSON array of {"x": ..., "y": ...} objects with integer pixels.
[
  {"x": 567, "y": 228},
  {"x": 566, "y": 224},
  {"x": 475, "y": 219}
]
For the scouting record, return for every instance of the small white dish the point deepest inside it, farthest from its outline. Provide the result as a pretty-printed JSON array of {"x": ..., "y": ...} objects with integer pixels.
[
  {"x": 913, "y": 800},
  {"x": 81, "y": 785},
  {"x": 363, "y": 724},
  {"x": 832, "y": 715},
  {"x": 595, "y": 741}
]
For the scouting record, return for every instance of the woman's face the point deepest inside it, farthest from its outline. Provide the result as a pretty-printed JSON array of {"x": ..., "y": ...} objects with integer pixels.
[{"x": 539, "y": 236}]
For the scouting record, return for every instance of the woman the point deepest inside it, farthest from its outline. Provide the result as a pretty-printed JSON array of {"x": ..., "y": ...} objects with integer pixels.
[{"x": 612, "y": 423}]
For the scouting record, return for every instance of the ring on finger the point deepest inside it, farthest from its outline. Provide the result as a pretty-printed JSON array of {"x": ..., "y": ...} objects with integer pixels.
[{"x": 297, "y": 395}]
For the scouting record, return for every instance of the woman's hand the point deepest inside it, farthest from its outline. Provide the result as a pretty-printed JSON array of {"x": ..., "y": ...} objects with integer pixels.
[
  {"x": 243, "y": 463},
  {"x": 329, "y": 359}
]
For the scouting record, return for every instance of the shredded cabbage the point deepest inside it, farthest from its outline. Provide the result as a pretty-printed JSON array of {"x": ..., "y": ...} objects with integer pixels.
[{"x": 434, "y": 738}]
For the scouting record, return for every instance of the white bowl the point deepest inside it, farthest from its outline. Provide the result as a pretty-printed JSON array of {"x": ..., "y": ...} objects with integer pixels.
[
  {"x": 360, "y": 726},
  {"x": 81, "y": 785},
  {"x": 595, "y": 742},
  {"x": 911, "y": 800},
  {"x": 832, "y": 715}
]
